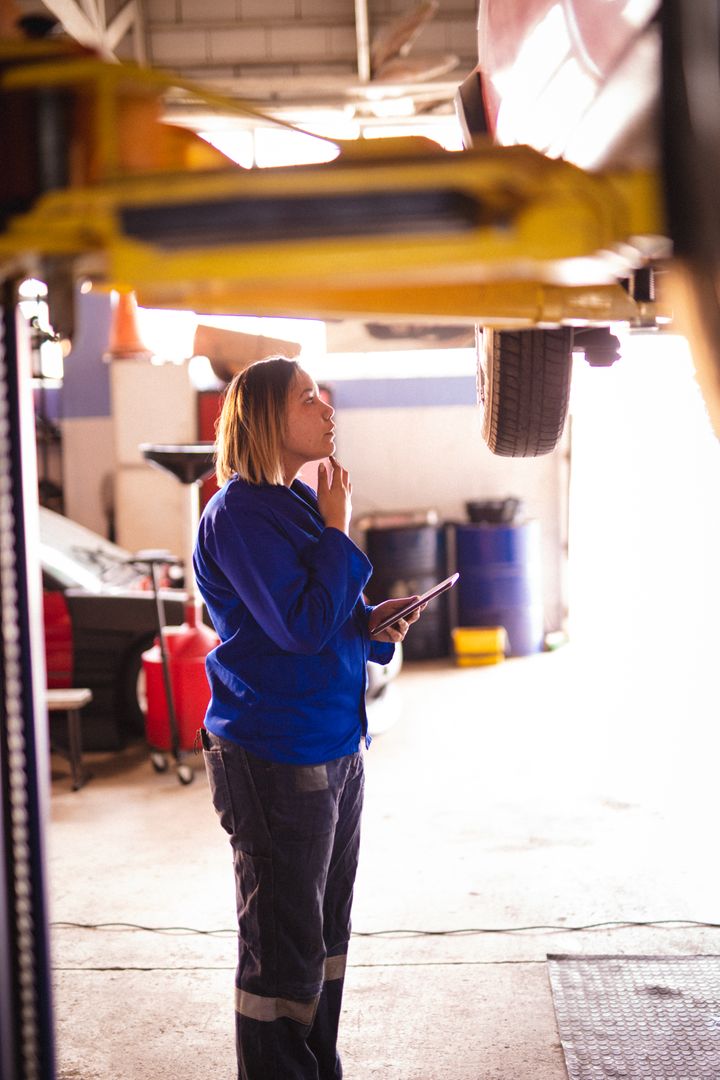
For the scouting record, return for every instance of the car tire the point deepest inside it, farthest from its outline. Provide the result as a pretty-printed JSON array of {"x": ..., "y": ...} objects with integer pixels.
[
  {"x": 380, "y": 705},
  {"x": 524, "y": 389},
  {"x": 131, "y": 690},
  {"x": 382, "y": 711}
]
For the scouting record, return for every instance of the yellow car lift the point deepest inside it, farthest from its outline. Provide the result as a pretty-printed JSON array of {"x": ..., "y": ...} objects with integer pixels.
[{"x": 395, "y": 227}]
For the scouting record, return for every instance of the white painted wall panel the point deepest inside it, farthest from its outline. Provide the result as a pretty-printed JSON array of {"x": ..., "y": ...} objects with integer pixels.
[
  {"x": 150, "y": 403},
  {"x": 150, "y": 509},
  {"x": 342, "y": 42},
  {"x": 336, "y": 9},
  {"x": 262, "y": 11},
  {"x": 177, "y": 47},
  {"x": 177, "y": 29},
  {"x": 208, "y": 11},
  {"x": 161, "y": 10},
  {"x": 157, "y": 404},
  {"x": 297, "y": 42},
  {"x": 434, "y": 457},
  {"x": 237, "y": 45},
  {"x": 88, "y": 470}
]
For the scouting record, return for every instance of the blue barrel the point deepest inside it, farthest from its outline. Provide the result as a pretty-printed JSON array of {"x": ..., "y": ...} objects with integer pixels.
[
  {"x": 501, "y": 582},
  {"x": 409, "y": 560}
]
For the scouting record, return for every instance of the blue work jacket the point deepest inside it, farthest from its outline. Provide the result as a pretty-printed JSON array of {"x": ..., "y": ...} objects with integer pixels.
[{"x": 284, "y": 594}]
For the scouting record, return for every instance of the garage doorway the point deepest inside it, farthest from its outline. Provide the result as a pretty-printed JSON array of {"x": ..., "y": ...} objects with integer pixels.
[{"x": 644, "y": 517}]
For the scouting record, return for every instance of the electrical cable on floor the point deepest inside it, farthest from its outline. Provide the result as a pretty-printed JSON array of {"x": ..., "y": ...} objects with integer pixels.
[
  {"x": 675, "y": 924},
  {"x": 668, "y": 924},
  {"x": 231, "y": 967}
]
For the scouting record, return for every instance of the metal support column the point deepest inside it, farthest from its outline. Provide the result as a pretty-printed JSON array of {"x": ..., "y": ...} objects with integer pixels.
[{"x": 26, "y": 1026}]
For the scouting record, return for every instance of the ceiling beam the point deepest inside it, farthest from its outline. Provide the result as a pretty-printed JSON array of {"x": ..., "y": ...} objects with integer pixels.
[
  {"x": 362, "y": 37},
  {"x": 75, "y": 21},
  {"x": 86, "y": 21}
]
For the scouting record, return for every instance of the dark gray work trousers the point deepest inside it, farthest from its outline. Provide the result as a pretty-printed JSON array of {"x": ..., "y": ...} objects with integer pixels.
[{"x": 295, "y": 835}]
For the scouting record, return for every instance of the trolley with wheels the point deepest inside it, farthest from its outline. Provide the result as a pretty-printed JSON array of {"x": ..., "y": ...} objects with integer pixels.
[{"x": 177, "y": 688}]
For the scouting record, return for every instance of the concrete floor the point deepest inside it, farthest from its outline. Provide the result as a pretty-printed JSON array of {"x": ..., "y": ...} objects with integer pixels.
[{"x": 565, "y": 789}]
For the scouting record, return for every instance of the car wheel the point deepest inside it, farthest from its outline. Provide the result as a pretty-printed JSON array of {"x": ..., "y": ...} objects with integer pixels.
[
  {"x": 524, "y": 388},
  {"x": 381, "y": 706},
  {"x": 133, "y": 693},
  {"x": 380, "y": 675},
  {"x": 382, "y": 711}
]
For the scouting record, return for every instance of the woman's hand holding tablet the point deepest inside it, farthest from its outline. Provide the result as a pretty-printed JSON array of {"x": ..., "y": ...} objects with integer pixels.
[{"x": 436, "y": 590}]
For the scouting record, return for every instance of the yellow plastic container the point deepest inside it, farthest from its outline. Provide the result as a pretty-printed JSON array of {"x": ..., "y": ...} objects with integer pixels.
[{"x": 476, "y": 646}]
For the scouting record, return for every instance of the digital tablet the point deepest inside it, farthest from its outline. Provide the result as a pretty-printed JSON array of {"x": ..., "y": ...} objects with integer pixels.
[{"x": 442, "y": 587}]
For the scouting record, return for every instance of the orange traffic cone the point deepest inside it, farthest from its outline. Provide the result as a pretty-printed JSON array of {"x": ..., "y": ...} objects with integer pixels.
[{"x": 125, "y": 342}]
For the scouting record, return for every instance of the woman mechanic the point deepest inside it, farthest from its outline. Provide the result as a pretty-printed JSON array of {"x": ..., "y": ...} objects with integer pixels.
[{"x": 283, "y": 734}]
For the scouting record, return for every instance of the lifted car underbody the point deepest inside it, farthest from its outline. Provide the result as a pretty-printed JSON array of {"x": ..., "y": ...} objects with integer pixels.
[
  {"x": 505, "y": 236},
  {"x": 95, "y": 189}
]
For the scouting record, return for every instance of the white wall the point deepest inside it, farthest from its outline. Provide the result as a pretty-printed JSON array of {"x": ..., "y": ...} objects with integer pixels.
[
  {"x": 645, "y": 525},
  {"x": 434, "y": 457},
  {"x": 151, "y": 404},
  {"x": 407, "y": 457},
  {"x": 88, "y": 470}
]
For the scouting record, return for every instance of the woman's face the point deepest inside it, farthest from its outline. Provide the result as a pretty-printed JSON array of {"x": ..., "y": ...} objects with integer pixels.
[{"x": 309, "y": 428}]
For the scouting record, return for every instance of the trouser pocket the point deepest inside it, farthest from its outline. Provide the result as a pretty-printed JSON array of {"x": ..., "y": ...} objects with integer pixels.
[{"x": 218, "y": 781}]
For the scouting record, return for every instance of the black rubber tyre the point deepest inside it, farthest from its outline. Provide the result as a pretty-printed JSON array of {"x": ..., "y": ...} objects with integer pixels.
[{"x": 524, "y": 387}]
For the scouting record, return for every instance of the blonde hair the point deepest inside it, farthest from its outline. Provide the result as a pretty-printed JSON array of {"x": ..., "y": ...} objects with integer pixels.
[{"x": 251, "y": 426}]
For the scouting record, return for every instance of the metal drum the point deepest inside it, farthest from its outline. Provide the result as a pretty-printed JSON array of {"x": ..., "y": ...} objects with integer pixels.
[
  {"x": 501, "y": 581},
  {"x": 408, "y": 560}
]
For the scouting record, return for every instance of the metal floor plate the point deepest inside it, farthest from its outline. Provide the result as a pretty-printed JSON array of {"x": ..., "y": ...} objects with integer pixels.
[{"x": 638, "y": 1017}]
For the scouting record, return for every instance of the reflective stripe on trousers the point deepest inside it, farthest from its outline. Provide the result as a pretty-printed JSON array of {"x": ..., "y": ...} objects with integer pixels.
[
  {"x": 273, "y": 1008},
  {"x": 295, "y": 834}
]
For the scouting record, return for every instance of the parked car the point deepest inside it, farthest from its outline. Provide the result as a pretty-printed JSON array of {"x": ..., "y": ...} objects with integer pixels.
[
  {"x": 622, "y": 87},
  {"x": 100, "y": 616}
]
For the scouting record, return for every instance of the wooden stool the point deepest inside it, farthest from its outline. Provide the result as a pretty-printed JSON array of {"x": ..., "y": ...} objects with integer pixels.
[{"x": 71, "y": 701}]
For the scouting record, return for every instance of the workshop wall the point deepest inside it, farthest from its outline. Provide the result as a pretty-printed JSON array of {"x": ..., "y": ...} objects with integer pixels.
[
  {"x": 410, "y": 443},
  {"x": 410, "y": 456},
  {"x": 88, "y": 453},
  {"x": 152, "y": 403}
]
